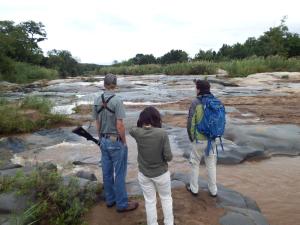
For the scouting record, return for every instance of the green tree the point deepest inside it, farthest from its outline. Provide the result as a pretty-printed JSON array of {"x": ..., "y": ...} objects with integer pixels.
[
  {"x": 174, "y": 56},
  {"x": 208, "y": 55},
  {"x": 19, "y": 42},
  {"x": 62, "y": 61},
  {"x": 292, "y": 44},
  {"x": 141, "y": 59}
]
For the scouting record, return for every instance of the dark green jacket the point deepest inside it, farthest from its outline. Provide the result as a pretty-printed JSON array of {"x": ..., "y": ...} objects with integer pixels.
[{"x": 153, "y": 150}]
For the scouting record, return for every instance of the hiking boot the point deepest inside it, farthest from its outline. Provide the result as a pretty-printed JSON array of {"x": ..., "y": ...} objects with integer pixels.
[
  {"x": 131, "y": 206},
  {"x": 213, "y": 196},
  {"x": 111, "y": 205},
  {"x": 188, "y": 188}
]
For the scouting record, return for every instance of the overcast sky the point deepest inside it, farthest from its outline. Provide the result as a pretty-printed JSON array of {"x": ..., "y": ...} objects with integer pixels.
[{"x": 100, "y": 31}]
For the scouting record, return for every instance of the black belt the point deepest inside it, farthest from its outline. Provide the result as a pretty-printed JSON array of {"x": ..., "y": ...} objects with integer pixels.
[{"x": 108, "y": 136}]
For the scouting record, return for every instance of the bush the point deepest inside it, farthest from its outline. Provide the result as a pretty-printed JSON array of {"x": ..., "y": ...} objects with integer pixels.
[
  {"x": 12, "y": 121},
  {"x": 191, "y": 68},
  {"x": 15, "y": 119},
  {"x": 131, "y": 70},
  {"x": 56, "y": 201},
  {"x": 3, "y": 101},
  {"x": 201, "y": 67},
  {"x": 43, "y": 105},
  {"x": 241, "y": 68},
  {"x": 26, "y": 73}
]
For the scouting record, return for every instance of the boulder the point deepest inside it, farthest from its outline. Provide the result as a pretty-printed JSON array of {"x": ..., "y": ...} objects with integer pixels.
[
  {"x": 225, "y": 83},
  {"x": 239, "y": 208},
  {"x": 12, "y": 172},
  {"x": 86, "y": 175},
  {"x": 13, "y": 144},
  {"x": 13, "y": 203},
  {"x": 133, "y": 188},
  {"x": 9, "y": 165},
  {"x": 238, "y": 216},
  {"x": 5, "y": 219}
]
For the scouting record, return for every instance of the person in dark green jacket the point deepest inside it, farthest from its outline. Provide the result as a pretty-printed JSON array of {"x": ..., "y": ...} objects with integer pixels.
[{"x": 154, "y": 153}]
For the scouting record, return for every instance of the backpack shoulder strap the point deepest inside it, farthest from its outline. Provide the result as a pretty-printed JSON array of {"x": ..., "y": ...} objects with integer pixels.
[{"x": 104, "y": 104}]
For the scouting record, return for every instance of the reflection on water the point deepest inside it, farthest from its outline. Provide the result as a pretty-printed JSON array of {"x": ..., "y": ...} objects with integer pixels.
[{"x": 273, "y": 183}]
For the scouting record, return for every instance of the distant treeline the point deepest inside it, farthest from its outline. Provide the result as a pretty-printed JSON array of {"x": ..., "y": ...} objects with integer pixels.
[
  {"x": 276, "y": 41},
  {"x": 22, "y": 60}
]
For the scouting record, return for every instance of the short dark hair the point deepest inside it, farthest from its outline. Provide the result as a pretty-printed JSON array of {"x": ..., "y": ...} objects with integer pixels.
[
  {"x": 149, "y": 116},
  {"x": 203, "y": 86}
]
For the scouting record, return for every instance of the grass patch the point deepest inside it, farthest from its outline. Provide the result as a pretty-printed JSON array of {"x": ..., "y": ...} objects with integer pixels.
[
  {"x": 242, "y": 68},
  {"x": 55, "y": 200},
  {"x": 131, "y": 70},
  {"x": 26, "y": 73},
  {"x": 191, "y": 68},
  {"x": 43, "y": 105},
  {"x": 83, "y": 109},
  {"x": 3, "y": 101},
  {"x": 200, "y": 67},
  {"x": 33, "y": 113},
  {"x": 235, "y": 68}
]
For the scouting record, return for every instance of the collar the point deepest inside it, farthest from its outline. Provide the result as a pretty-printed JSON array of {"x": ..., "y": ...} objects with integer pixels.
[{"x": 109, "y": 92}]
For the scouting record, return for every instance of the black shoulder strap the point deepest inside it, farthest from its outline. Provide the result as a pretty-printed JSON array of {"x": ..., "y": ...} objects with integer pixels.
[{"x": 104, "y": 104}]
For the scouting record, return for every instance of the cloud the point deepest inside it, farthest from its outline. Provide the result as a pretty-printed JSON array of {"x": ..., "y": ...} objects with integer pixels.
[{"x": 100, "y": 31}]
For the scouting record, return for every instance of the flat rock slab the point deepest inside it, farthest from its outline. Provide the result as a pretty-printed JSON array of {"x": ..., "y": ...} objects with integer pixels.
[
  {"x": 5, "y": 219},
  {"x": 241, "y": 210},
  {"x": 237, "y": 216},
  {"x": 13, "y": 203},
  {"x": 12, "y": 172},
  {"x": 86, "y": 175},
  {"x": 272, "y": 139},
  {"x": 9, "y": 165}
]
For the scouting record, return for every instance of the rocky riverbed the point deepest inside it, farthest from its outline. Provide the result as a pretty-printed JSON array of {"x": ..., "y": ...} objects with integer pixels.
[{"x": 263, "y": 117}]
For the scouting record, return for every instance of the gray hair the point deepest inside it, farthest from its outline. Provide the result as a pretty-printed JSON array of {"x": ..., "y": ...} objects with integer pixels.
[{"x": 110, "y": 79}]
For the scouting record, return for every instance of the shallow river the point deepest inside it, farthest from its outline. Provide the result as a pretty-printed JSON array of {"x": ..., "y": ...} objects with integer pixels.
[{"x": 273, "y": 182}]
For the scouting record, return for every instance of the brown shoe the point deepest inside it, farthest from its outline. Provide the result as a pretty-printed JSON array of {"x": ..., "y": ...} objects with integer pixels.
[{"x": 131, "y": 206}]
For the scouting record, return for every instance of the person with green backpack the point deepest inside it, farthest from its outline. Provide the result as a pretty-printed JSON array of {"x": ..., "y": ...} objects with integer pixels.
[{"x": 205, "y": 126}]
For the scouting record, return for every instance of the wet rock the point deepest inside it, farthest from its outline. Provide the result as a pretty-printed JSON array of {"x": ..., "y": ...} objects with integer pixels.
[
  {"x": 223, "y": 82},
  {"x": 12, "y": 172},
  {"x": 234, "y": 154},
  {"x": 13, "y": 144},
  {"x": 83, "y": 183},
  {"x": 12, "y": 202},
  {"x": 133, "y": 188},
  {"x": 237, "y": 216},
  {"x": 177, "y": 184},
  {"x": 5, "y": 219},
  {"x": 82, "y": 163},
  {"x": 9, "y": 165},
  {"x": 86, "y": 175},
  {"x": 226, "y": 197},
  {"x": 7, "y": 86},
  {"x": 74, "y": 87},
  {"x": 271, "y": 139}
]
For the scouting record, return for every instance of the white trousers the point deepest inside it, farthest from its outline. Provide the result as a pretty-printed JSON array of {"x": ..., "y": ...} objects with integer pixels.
[
  {"x": 149, "y": 186},
  {"x": 210, "y": 162}
]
